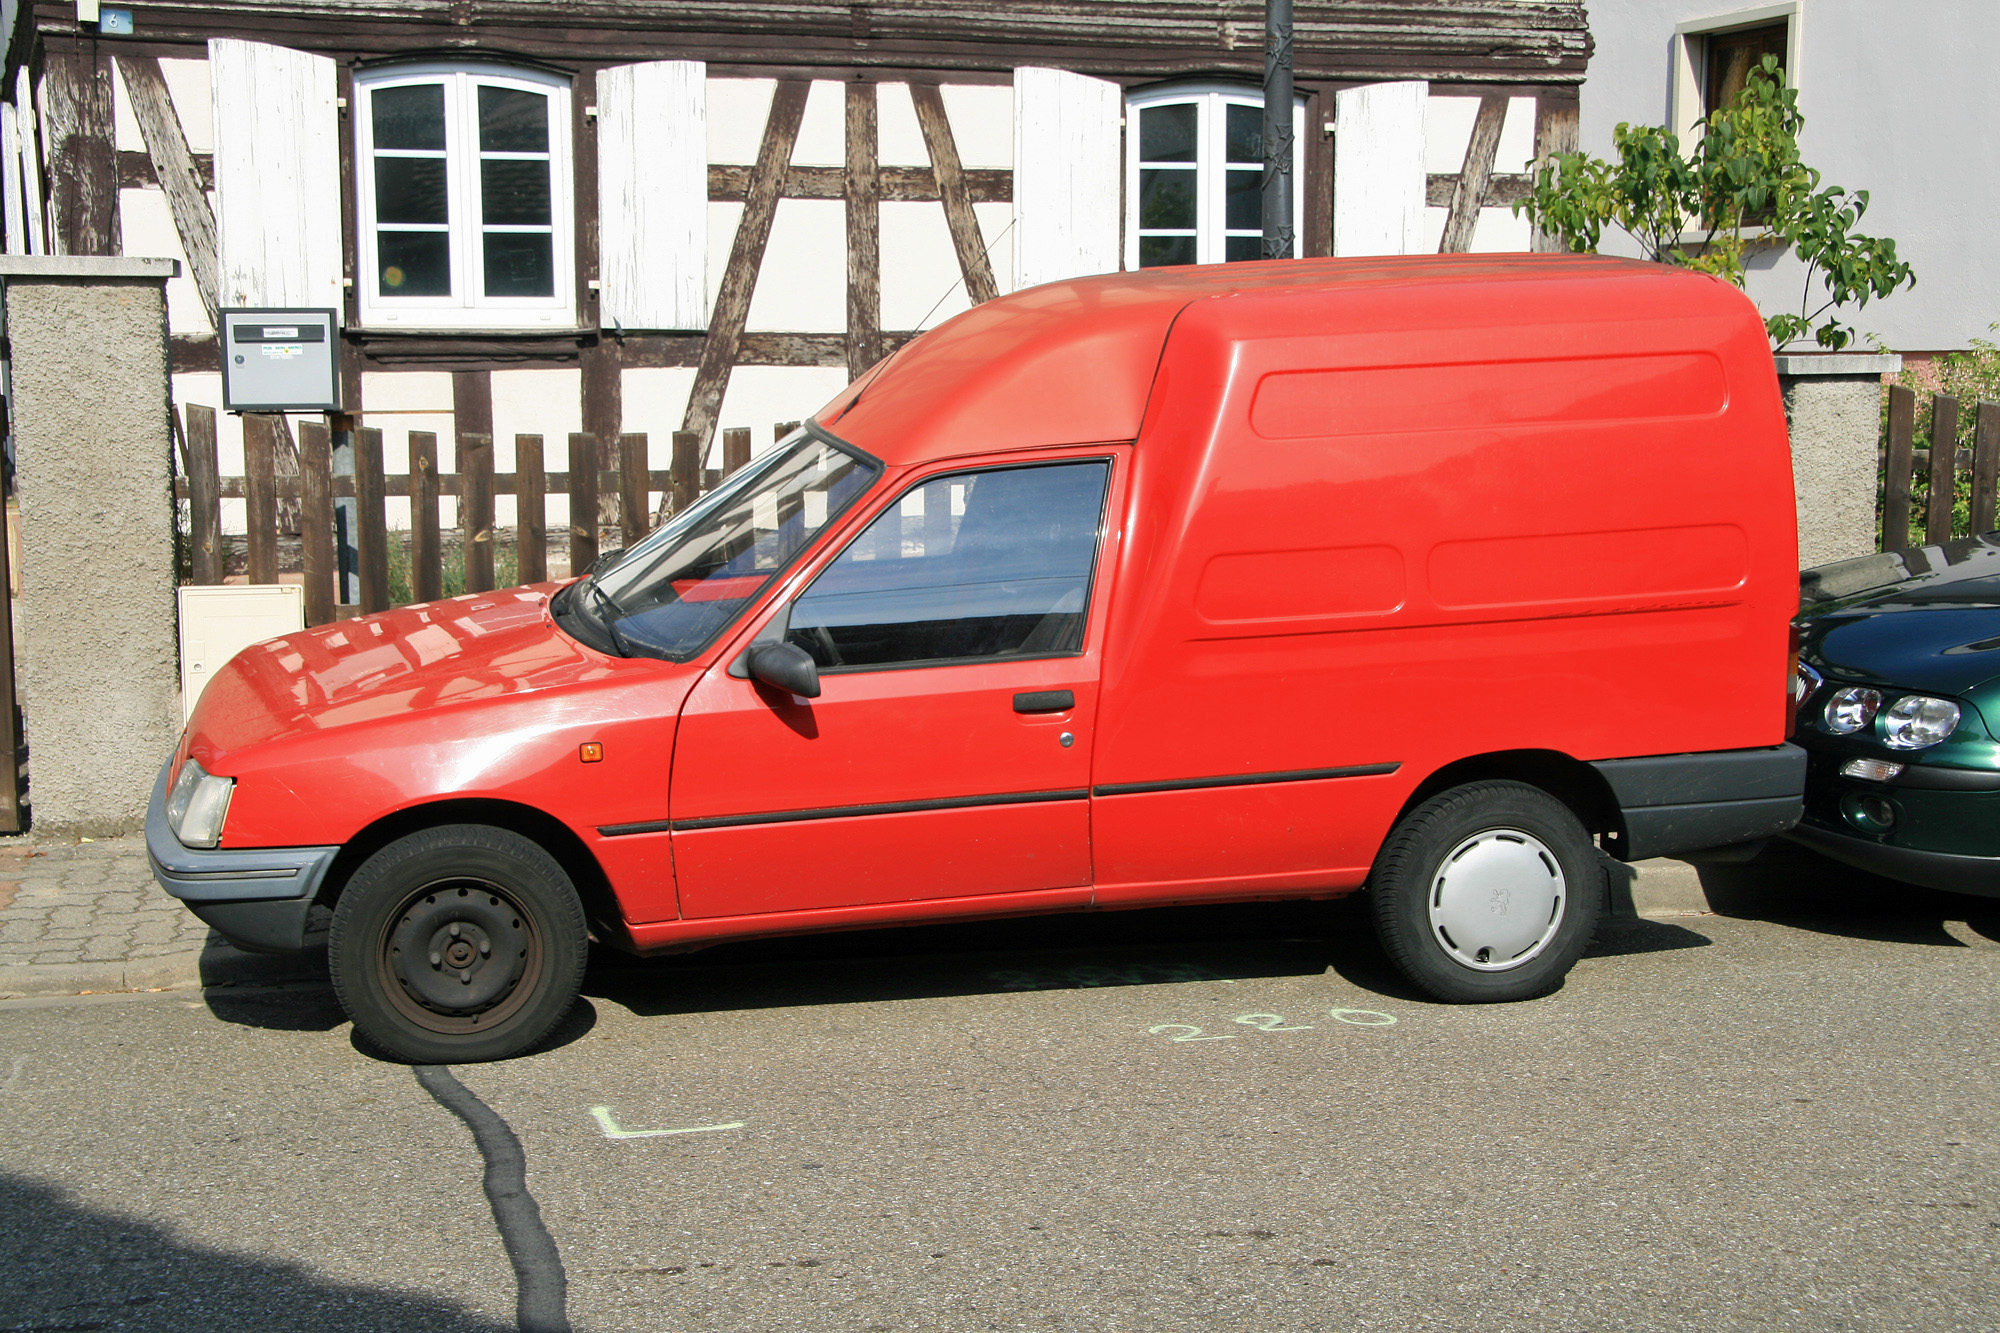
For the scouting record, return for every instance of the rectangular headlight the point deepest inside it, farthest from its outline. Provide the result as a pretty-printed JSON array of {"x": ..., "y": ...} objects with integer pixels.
[{"x": 198, "y": 805}]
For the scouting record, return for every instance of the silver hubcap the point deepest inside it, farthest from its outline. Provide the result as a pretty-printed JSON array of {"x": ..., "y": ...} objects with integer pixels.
[{"x": 1497, "y": 900}]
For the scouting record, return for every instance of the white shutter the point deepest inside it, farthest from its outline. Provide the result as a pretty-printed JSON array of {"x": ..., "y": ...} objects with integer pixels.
[
  {"x": 1378, "y": 169},
  {"x": 1067, "y": 170},
  {"x": 652, "y": 195},
  {"x": 277, "y": 176}
]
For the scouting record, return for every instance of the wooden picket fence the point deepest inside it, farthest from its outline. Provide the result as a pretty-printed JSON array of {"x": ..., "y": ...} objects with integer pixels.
[
  {"x": 609, "y": 485},
  {"x": 1940, "y": 467}
]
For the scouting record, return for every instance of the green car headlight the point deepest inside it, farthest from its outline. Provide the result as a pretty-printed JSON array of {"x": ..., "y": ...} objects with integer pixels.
[
  {"x": 1918, "y": 720},
  {"x": 198, "y": 805}
]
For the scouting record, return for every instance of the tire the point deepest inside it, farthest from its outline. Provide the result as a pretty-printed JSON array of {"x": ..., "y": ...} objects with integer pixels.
[
  {"x": 457, "y": 944},
  {"x": 1486, "y": 893}
]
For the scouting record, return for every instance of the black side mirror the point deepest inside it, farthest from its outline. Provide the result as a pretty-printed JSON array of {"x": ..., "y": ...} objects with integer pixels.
[{"x": 785, "y": 666}]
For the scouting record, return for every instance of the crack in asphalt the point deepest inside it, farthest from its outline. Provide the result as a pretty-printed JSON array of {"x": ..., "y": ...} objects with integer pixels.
[{"x": 541, "y": 1287}]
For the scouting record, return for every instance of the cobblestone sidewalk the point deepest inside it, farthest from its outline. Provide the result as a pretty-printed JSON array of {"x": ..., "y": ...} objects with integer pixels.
[{"x": 87, "y": 916}]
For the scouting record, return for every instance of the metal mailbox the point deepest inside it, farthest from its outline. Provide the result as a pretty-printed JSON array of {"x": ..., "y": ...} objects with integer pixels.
[{"x": 280, "y": 361}]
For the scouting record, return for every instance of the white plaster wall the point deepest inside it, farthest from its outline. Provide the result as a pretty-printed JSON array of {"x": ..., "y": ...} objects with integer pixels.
[
  {"x": 548, "y": 403},
  {"x": 899, "y": 139},
  {"x": 188, "y": 89},
  {"x": 398, "y": 402},
  {"x": 802, "y": 286},
  {"x": 823, "y": 131},
  {"x": 146, "y": 224},
  {"x": 1448, "y": 124},
  {"x": 737, "y": 110},
  {"x": 982, "y": 123},
  {"x": 1898, "y": 100},
  {"x": 761, "y": 396}
]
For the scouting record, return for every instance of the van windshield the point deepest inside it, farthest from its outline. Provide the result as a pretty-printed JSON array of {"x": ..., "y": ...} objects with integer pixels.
[{"x": 675, "y": 591}]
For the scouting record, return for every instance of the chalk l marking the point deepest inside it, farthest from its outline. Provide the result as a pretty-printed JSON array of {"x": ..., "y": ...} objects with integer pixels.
[{"x": 611, "y": 1130}]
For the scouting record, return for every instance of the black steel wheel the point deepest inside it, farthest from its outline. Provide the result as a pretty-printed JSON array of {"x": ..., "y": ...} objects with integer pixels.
[
  {"x": 1487, "y": 892},
  {"x": 459, "y": 943}
]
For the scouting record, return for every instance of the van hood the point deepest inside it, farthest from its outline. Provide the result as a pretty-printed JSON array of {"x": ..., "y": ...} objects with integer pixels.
[{"x": 435, "y": 654}]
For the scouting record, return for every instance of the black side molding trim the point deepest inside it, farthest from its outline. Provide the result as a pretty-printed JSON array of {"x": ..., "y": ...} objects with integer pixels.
[
  {"x": 1244, "y": 779},
  {"x": 843, "y": 812}
]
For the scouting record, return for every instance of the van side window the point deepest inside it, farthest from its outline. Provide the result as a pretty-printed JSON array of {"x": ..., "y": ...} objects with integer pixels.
[{"x": 969, "y": 566}]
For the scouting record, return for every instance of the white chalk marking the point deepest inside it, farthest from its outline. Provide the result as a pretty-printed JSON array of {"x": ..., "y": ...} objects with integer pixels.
[{"x": 611, "y": 1130}]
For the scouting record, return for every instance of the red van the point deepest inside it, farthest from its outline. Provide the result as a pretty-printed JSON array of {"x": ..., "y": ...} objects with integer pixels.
[{"x": 1185, "y": 586}]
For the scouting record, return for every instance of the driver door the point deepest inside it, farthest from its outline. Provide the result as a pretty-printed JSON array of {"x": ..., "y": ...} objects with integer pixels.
[{"x": 948, "y": 753}]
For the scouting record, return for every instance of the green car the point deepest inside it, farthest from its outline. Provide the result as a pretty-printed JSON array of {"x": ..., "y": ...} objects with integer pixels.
[{"x": 1898, "y": 697}]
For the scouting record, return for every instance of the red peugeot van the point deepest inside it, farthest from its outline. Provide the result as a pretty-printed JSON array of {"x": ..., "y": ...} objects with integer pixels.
[{"x": 1185, "y": 586}]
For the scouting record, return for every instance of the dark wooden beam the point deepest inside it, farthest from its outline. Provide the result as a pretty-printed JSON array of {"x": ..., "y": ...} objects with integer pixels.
[
  {"x": 77, "y": 134},
  {"x": 173, "y": 166},
  {"x": 1555, "y": 132},
  {"x": 731, "y": 184},
  {"x": 135, "y": 170},
  {"x": 746, "y": 256},
  {"x": 958, "y": 214},
  {"x": 864, "y": 231},
  {"x": 472, "y": 453},
  {"x": 1502, "y": 188},
  {"x": 1463, "y": 217},
  {"x": 195, "y": 353}
]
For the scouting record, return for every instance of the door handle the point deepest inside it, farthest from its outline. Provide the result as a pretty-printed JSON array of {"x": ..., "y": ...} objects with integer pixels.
[{"x": 1044, "y": 701}]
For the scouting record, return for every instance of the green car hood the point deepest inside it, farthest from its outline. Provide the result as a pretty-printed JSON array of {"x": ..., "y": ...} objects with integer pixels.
[{"x": 1925, "y": 619}]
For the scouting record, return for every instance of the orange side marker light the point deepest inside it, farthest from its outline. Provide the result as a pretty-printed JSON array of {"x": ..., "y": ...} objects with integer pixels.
[{"x": 590, "y": 752}]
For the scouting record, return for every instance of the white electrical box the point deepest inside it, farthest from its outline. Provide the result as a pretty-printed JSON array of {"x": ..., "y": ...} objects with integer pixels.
[{"x": 219, "y": 622}]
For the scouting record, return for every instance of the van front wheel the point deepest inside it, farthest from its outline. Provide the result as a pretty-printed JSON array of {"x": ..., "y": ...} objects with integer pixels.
[
  {"x": 459, "y": 943},
  {"x": 1487, "y": 892}
]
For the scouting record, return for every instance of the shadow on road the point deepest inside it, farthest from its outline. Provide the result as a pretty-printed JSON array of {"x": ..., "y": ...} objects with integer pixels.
[
  {"x": 67, "y": 1266},
  {"x": 1070, "y": 951},
  {"x": 1792, "y": 886}
]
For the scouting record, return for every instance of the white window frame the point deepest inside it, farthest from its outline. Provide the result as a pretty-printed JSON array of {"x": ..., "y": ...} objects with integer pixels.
[
  {"x": 467, "y": 307},
  {"x": 1211, "y": 142},
  {"x": 1690, "y": 53}
]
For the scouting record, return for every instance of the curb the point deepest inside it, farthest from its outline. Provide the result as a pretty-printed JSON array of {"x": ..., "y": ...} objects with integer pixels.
[
  {"x": 1659, "y": 887},
  {"x": 214, "y": 964}
]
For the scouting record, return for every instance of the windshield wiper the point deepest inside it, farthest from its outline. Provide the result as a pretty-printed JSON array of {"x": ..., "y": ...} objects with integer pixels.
[{"x": 609, "y": 614}]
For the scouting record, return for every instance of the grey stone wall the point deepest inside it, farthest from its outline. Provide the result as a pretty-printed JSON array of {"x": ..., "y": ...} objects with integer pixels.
[
  {"x": 1833, "y": 408},
  {"x": 98, "y": 657}
]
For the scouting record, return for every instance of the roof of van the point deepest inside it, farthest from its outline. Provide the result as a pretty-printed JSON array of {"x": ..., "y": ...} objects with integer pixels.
[{"x": 1073, "y": 362}]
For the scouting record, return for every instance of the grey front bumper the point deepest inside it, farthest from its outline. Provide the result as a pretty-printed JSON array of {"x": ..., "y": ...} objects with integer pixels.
[{"x": 256, "y": 897}]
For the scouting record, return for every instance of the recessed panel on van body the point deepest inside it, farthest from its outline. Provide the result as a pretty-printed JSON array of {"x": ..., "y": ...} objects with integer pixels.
[{"x": 1525, "y": 523}]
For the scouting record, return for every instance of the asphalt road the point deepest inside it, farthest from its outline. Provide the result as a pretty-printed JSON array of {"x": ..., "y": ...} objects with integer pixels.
[{"x": 1224, "y": 1119}]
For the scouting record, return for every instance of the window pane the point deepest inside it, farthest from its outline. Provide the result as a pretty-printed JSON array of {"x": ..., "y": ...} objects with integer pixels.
[
  {"x": 1158, "y": 251},
  {"x": 414, "y": 263},
  {"x": 512, "y": 121},
  {"x": 520, "y": 264},
  {"x": 675, "y": 591},
  {"x": 1007, "y": 574},
  {"x": 1166, "y": 199},
  {"x": 1245, "y": 205},
  {"x": 408, "y": 117},
  {"x": 1246, "y": 134},
  {"x": 1734, "y": 56},
  {"x": 513, "y": 193},
  {"x": 411, "y": 189},
  {"x": 1167, "y": 133},
  {"x": 1239, "y": 248}
]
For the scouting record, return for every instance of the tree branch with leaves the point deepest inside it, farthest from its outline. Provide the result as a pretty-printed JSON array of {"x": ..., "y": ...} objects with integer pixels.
[{"x": 1742, "y": 185}]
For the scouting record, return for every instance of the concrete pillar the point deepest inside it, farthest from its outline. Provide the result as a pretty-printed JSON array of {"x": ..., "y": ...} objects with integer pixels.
[
  {"x": 1833, "y": 406},
  {"x": 99, "y": 670}
]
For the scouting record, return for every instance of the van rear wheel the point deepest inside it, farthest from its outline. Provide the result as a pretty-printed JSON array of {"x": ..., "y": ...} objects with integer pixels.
[
  {"x": 456, "y": 944},
  {"x": 1487, "y": 892}
]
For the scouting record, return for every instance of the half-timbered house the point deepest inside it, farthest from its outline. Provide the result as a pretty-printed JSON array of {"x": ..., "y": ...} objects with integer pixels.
[{"x": 619, "y": 216}]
